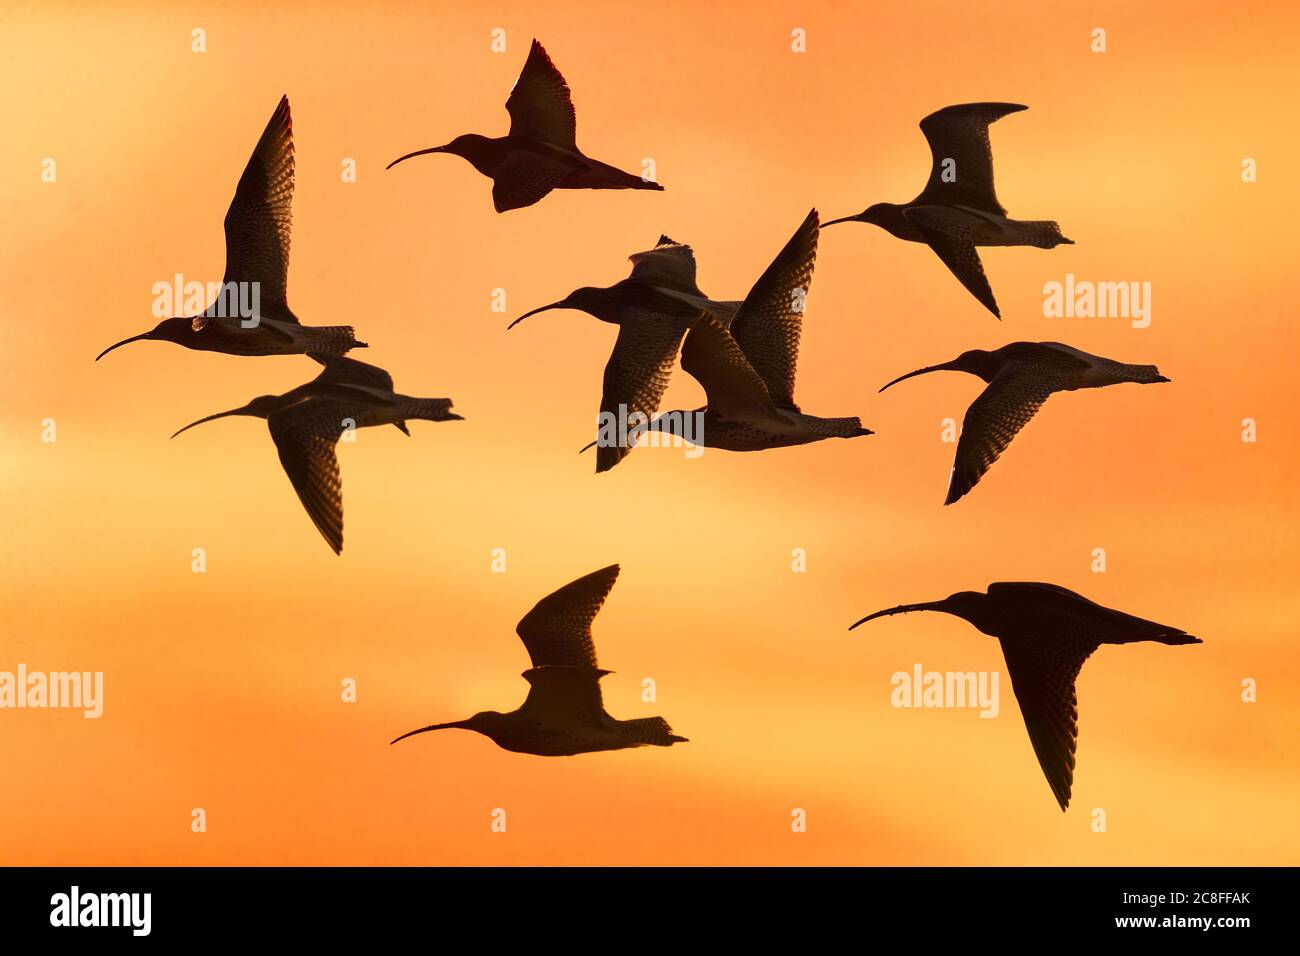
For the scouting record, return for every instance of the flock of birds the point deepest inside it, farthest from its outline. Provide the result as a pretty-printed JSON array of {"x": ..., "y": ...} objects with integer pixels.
[{"x": 744, "y": 354}]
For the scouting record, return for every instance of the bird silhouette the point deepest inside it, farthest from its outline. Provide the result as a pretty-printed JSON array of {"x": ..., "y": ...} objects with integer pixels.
[
  {"x": 564, "y": 713},
  {"x": 541, "y": 151},
  {"x": 306, "y": 422},
  {"x": 958, "y": 209},
  {"x": 653, "y": 307},
  {"x": 1046, "y": 633},
  {"x": 258, "y": 226},
  {"x": 747, "y": 366},
  {"x": 1020, "y": 378}
]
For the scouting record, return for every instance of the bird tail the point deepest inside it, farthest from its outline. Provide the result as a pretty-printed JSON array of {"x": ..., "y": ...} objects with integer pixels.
[
  {"x": 603, "y": 176},
  {"x": 1147, "y": 375},
  {"x": 429, "y": 409},
  {"x": 332, "y": 339},
  {"x": 1042, "y": 233},
  {"x": 651, "y": 730},
  {"x": 843, "y": 428}
]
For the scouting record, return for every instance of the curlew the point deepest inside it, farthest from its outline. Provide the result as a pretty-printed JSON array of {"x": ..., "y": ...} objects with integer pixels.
[
  {"x": 653, "y": 307},
  {"x": 251, "y": 314},
  {"x": 564, "y": 713},
  {"x": 958, "y": 209},
  {"x": 1019, "y": 378},
  {"x": 306, "y": 422},
  {"x": 541, "y": 151},
  {"x": 1046, "y": 633},
  {"x": 747, "y": 366}
]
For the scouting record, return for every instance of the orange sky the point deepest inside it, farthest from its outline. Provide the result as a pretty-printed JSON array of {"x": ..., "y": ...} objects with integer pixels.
[{"x": 222, "y": 689}]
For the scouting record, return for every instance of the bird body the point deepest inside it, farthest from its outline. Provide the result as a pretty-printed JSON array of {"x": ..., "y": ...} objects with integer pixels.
[
  {"x": 564, "y": 713},
  {"x": 1046, "y": 633},
  {"x": 958, "y": 210},
  {"x": 747, "y": 364},
  {"x": 653, "y": 307},
  {"x": 540, "y": 153},
  {"x": 306, "y": 423},
  {"x": 251, "y": 315},
  {"x": 1020, "y": 377}
]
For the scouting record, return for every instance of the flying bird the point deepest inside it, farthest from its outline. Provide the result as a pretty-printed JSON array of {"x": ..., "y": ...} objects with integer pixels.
[
  {"x": 306, "y": 422},
  {"x": 1020, "y": 377},
  {"x": 1046, "y": 633},
  {"x": 747, "y": 366},
  {"x": 258, "y": 225},
  {"x": 653, "y": 307},
  {"x": 958, "y": 209},
  {"x": 540, "y": 153},
  {"x": 564, "y": 713}
]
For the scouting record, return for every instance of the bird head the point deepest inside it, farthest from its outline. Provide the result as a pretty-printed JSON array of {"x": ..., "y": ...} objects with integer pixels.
[
  {"x": 590, "y": 299},
  {"x": 261, "y": 407},
  {"x": 969, "y": 605},
  {"x": 485, "y": 722},
  {"x": 975, "y": 361},
  {"x": 473, "y": 147},
  {"x": 878, "y": 214},
  {"x": 168, "y": 330}
]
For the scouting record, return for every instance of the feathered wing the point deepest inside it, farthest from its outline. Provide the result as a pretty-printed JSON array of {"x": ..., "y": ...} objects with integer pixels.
[
  {"x": 960, "y": 148},
  {"x": 1004, "y": 407},
  {"x": 768, "y": 325},
  {"x": 259, "y": 221},
  {"x": 523, "y": 178},
  {"x": 636, "y": 376},
  {"x": 557, "y": 631},
  {"x": 734, "y": 389},
  {"x": 305, "y": 436},
  {"x": 1043, "y": 675},
  {"x": 952, "y": 237},
  {"x": 540, "y": 105}
]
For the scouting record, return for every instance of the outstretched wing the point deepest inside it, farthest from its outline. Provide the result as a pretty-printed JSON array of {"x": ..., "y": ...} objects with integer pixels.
[
  {"x": 260, "y": 217},
  {"x": 712, "y": 357},
  {"x": 669, "y": 264},
  {"x": 540, "y": 106},
  {"x": 523, "y": 178},
  {"x": 952, "y": 237},
  {"x": 557, "y": 631},
  {"x": 340, "y": 370},
  {"x": 1004, "y": 407},
  {"x": 1043, "y": 673},
  {"x": 769, "y": 322},
  {"x": 635, "y": 379},
  {"x": 959, "y": 145},
  {"x": 305, "y": 436}
]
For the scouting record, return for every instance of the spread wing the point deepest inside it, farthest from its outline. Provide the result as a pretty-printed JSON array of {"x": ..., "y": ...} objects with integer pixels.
[
  {"x": 669, "y": 264},
  {"x": 340, "y": 370},
  {"x": 260, "y": 217},
  {"x": 960, "y": 134},
  {"x": 523, "y": 178},
  {"x": 769, "y": 322},
  {"x": 557, "y": 631},
  {"x": 952, "y": 237},
  {"x": 712, "y": 357},
  {"x": 1004, "y": 407},
  {"x": 635, "y": 378},
  {"x": 540, "y": 106},
  {"x": 305, "y": 436},
  {"x": 1043, "y": 673}
]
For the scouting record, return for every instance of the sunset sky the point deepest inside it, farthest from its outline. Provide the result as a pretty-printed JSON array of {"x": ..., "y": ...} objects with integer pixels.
[{"x": 222, "y": 689}]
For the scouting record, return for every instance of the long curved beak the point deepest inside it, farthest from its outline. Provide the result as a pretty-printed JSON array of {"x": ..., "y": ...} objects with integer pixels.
[
  {"x": 455, "y": 724},
  {"x": 562, "y": 304},
  {"x": 418, "y": 152},
  {"x": 945, "y": 367},
  {"x": 843, "y": 219},
  {"x": 134, "y": 338},
  {"x": 233, "y": 411},
  {"x": 901, "y": 609}
]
